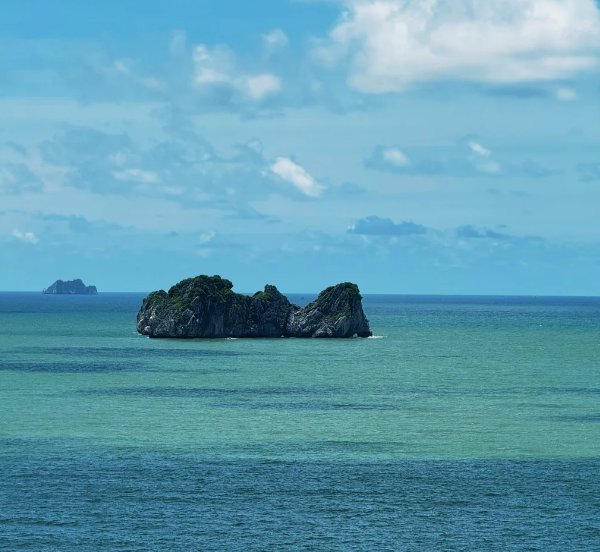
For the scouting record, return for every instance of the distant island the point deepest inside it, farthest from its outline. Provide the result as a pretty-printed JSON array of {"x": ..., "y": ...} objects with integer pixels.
[
  {"x": 73, "y": 287},
  {"x": 206, "y": 307}
]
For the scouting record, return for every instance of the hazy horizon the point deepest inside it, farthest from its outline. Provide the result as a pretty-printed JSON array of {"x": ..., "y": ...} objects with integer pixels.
[{"x": 316, "y": 292}]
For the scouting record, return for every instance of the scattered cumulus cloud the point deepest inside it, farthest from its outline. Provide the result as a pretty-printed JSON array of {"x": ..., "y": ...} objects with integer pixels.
[
  {"x": 395, "y": 157},
  {"x": 297, "y": 175},
  {"x": 25, "y": 237},
  {"x": 262, "y": 86},
  {"x": 184, "y": 169},
  {"x": 217, "y": 68},
  {"x": 452, "y": 239},
  {"x": 468, "y": 159},
  {"x": 481, "y": 161},
  {"x": 376, "y": 226},
  {"x": 212, "y": 67},
  {"x": 479, "y": 149},
  {"x": 101, "y": 162},
  {"x": 396, "y": 43}
]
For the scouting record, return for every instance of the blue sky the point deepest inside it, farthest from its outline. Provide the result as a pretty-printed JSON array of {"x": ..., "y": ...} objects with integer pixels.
[{"x": 412, "y": 146}]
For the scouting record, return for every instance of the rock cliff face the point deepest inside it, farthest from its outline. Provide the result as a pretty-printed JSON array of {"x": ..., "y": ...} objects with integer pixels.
[
  {"x": 207, "y": 307},
  {"x": 337, "y": 312},
  {"x": 74, "y": 287}
]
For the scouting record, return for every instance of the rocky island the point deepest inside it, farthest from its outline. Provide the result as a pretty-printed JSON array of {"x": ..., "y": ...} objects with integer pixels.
[
  {"x": 73, "y": 287},
  {"x": 207, "y": 307}
]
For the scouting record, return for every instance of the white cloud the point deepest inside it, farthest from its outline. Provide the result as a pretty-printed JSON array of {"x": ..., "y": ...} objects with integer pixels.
[
  {"x": 212, "y": 67},
  {"x": 479, "y": 149},
  {"x": 297, "y": 175},
  {"x": 395, "y": 157},
  {"x": 137, "y": 175},
  {"x": 566, "y": 95},
  {"x": 395, "y": 43},
  {"x": 488, "y": 166},
  {"x": 26, "y": 237},
  {"x": 217, "y": 67},
  {"x": 205, "y": 238},
  {"x": 262, "y": 86},
  {"x": 275, "y": 40}
]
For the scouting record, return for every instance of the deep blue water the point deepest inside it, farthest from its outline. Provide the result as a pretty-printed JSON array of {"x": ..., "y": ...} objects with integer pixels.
[{"x": 471, "y": 423}]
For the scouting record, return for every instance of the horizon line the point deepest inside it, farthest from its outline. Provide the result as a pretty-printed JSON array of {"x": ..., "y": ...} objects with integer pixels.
[{"x": 317, "y": 293}]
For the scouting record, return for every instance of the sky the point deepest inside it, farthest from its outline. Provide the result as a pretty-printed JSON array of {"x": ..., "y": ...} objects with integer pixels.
[{"x": 410, "y": 146}]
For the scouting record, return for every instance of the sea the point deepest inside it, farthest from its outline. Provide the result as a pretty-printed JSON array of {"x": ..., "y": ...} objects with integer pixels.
[{"x": 464, "y": 424}]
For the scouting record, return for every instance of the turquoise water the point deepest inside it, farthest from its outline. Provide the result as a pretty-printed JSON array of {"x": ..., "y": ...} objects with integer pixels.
[{"x": 468, "y": 423}]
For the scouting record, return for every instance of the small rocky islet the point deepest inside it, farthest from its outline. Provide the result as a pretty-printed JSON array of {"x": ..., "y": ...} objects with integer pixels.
[
  {"x": 207, "y": 307},
  {"x": 71, "y": 287}
]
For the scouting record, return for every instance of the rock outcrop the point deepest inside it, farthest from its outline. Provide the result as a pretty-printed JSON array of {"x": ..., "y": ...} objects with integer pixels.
[
  {"x": 207, "y": 306},
  {"x": 73, "y": 287}
]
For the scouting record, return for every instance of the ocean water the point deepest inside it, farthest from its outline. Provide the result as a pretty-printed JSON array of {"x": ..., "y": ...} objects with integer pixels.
[{"x": 466, "y": 424}]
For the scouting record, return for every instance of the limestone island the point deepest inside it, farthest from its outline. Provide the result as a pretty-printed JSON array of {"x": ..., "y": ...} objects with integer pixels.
[
  {"x": 206, "y": 307},
  {"x": 73, "y": 287}
]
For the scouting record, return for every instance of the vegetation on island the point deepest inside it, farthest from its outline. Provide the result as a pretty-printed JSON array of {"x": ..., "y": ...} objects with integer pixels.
[
  {"x": 347, "y": 291},
  {"x": 182, "y": 295}
]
